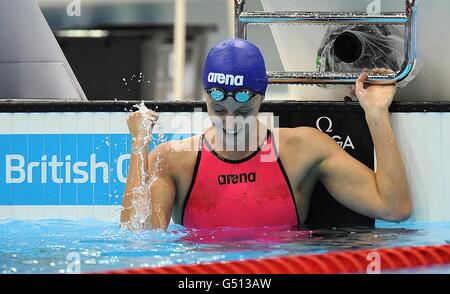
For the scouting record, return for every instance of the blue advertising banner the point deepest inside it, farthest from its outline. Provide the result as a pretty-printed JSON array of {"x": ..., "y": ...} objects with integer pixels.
[{"x": 66, "y": 169}]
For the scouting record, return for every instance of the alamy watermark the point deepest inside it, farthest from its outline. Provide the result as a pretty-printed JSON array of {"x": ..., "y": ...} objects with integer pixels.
[
  {"x": 374, "y": 266},
  {"x": 73, "y": 263},
  {"x": 74, "y": 8},
  {"x": 374, "y": 7}
]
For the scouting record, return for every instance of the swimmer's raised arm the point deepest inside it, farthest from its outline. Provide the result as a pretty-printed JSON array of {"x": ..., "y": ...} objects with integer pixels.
[
  {"x": 150, "y": 190},
  {"x": 385, "y": 194}
]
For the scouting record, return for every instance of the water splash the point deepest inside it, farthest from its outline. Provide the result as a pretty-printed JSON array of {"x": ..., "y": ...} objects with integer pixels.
[
  {"x": 142, "y": 204},
  {"x": 136, "y": 79}
]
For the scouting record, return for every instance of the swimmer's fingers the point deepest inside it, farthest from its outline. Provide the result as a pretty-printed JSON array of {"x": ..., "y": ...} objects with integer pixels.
[
  {"x": 352, "y": 90},
  {"x": 141, "y": 124},
  {"x": 381, "y": 71},
  {"x": 365, "y": 75},
  {"x": 151, "y": 115},
  {"x": 144, "y": 116},
  {"x": 361, "y": 80},
  {"x": 147, "y": 122}
]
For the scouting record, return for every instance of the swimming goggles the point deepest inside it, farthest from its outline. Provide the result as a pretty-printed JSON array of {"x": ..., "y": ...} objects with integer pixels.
[{"x": 240, "y": 96}]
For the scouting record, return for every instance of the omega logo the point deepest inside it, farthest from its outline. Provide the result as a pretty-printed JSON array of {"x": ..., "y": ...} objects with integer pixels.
[{"x": 329, "y": 129}]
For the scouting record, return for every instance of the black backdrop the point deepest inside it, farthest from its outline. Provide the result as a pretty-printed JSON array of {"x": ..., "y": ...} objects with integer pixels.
[{"x": 347, "y": 125}]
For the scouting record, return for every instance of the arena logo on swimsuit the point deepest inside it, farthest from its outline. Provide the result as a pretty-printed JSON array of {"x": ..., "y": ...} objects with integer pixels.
[
  {"x": 225, "y": 79},
  {"x": 237, "y": 178}
]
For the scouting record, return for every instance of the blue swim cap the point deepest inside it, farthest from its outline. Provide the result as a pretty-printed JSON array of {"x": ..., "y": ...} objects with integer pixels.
[{"x": 235, "y": 64}]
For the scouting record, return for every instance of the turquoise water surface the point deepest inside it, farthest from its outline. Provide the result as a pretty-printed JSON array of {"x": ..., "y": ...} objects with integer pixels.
[{"x": 62, "y": 246}]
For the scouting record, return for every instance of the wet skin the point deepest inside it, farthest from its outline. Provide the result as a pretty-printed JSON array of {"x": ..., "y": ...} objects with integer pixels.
[{"x": 307, "y": 154}]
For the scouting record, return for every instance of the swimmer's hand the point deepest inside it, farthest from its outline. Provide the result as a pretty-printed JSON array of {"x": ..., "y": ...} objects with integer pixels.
[
  {"x": 140, "y": 124},
  {"x": 374, "y": 99}
]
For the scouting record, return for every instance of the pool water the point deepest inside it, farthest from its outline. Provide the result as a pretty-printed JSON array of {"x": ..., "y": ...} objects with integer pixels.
[{"x": 89, "y": 245}]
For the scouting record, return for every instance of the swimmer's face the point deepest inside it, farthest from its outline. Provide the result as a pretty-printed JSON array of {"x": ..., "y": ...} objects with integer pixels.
[{"x": 232, "y": 111}]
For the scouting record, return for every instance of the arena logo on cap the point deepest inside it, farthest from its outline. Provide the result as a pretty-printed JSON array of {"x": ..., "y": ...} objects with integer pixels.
[{"x": 225, "y": 79}]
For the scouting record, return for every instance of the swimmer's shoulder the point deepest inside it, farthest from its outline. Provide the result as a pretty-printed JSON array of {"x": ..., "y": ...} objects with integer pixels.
[
  {"x": 175, "y": 154},
  {"x": 310, "y": 140},
  {"x": 185, "y": 146},
  {"x": 296, "y": 136}
]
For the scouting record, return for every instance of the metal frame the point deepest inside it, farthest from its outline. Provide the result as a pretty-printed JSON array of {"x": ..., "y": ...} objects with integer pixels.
[{"x": 408, "y": 19}]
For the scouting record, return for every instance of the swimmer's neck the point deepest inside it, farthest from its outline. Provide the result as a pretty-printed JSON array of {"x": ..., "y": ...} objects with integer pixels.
[{"x": 234, "y": 154}]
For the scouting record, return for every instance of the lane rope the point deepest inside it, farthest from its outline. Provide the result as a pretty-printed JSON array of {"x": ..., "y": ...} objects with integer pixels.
[{"x": 356, "y": 261}]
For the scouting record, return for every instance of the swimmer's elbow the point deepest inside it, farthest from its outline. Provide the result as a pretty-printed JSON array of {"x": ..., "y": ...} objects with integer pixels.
[
  {"x": 398, "y": 217},
  {"x": 147, "y": 226},
  {"x": 399, "y": 214}
]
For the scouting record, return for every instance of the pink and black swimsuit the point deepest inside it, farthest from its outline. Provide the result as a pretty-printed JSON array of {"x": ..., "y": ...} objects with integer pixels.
[{"x": 246, "y": 193}]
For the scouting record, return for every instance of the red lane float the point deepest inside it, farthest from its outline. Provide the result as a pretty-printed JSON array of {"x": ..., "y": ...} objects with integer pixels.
[{"x": 356, "y": 261}]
